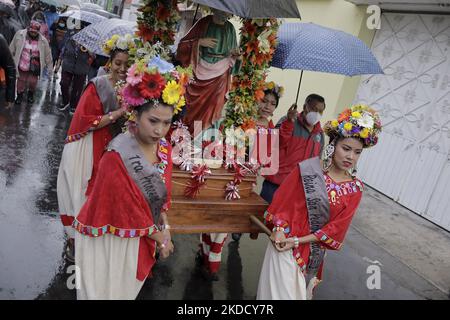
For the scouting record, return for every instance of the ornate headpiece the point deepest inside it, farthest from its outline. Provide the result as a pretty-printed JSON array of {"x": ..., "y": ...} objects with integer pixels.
[
  {"x": 276, "y": 89},
  {"x": 359, "y": 121},
  {"x": 126, "y": 42},
  {"x": 155, "y": 80}
]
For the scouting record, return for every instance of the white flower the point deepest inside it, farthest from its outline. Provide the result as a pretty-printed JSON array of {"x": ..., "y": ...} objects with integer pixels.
[
  {"x": 366, "y": 121},
  {"x": 264, "y": 44},
  {"x": 122, "y": 43}
]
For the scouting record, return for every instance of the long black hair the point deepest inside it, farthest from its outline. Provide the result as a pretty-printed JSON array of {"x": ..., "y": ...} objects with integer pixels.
[{"x": 148, "y": 105}]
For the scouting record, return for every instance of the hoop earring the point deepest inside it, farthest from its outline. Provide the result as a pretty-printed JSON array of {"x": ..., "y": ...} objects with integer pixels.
[
  {"x": 353, "y": 171},
  {"x": 328, "y": 159}
]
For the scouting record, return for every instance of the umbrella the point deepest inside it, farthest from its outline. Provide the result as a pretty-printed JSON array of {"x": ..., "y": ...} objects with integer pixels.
[
  {"x": 7, "y": 8},
  {"x": 8, "y": 2},
  {"x": 255, "y": 8},
  {"x": 85, "y": 16},
  {"x": 90, "y": 6},
  {"x": 307, "y": 46},
  {"x": 93, "y": 36},
  {"x": 61, "y": 3}
]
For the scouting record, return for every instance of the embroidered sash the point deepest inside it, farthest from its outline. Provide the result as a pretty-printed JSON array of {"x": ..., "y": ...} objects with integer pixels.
[
  {"x": 147, "y": 177},
  {"x": 318, "y": 206}
]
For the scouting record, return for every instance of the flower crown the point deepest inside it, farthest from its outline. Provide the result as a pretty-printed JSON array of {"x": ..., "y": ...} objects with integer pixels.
[
  {"x": 272, "y": 86},
  {"x": 155, "y": 80},
  {"x": 359, "y": 121},
  {"x": 126, "y": 42}
]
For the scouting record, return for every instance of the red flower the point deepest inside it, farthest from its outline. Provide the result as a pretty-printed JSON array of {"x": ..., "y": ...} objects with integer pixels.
[
  {"x": 162, "y": 14},
  {"x": 146, "y": 33},
  {"x": 250, "y": 28},
  {"x": 151, "y": 85}
]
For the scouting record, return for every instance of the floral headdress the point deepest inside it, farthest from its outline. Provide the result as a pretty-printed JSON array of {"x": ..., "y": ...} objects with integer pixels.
[
  {"x": 359, "y": 121},
  {"x": 126, "y": 42},
  {"x": 155, "y": 80},
  {"x": 272, "y": 86}
]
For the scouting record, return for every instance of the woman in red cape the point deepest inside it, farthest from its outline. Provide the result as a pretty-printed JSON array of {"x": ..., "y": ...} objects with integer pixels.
[
  {"x": 124, "y": 217},
  {"x": 92, "y": 128},
  {"x": 302, "y": 228}
]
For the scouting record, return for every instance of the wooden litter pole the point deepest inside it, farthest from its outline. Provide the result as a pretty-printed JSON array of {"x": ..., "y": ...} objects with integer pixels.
[{"x": 261, "y": 225}]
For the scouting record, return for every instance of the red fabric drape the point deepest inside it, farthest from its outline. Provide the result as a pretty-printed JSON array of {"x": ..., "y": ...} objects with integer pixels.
[
  {"x": 87, "y": 116},
  {"x": 288, "y": 209},
  {"x": 117, "y": 201}
]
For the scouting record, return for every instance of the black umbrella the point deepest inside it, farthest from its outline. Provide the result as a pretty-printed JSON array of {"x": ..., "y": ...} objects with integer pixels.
[{"x": 255, "y": 8}]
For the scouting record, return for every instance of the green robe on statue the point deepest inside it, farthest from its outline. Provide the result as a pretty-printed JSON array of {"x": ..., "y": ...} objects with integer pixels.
[{"x": 205, "y": 95}]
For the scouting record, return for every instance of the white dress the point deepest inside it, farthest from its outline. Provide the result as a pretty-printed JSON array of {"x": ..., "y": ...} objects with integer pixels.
[
  {"x": 281, "y": 277},
  {"x": 106, "y": 267},
  {"x": 74, "y": 173}
]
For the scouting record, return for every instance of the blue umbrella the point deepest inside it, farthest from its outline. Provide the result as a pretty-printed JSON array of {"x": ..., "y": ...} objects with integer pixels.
[
  {"x": 93, "y": 36},
  {"x": 307, "y": 46}
]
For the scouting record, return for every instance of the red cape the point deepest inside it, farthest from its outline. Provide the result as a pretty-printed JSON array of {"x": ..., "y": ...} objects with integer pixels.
[
  {"x": 117, "y": 206},
  {"x": 87, "y": 117},
  {"x": 288, "y": 210}
]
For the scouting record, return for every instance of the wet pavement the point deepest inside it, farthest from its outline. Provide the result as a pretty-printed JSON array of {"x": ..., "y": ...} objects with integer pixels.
[{"x": 32, "y": 238}]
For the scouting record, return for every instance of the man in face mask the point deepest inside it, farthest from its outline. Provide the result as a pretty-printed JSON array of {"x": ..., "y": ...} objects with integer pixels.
[
  {"x": 32, "y": 55},
  {"x": 301, "y": 138}
]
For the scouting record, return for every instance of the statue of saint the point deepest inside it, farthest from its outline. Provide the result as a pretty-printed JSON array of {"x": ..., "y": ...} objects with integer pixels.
[{"x": 211, "y": 47}]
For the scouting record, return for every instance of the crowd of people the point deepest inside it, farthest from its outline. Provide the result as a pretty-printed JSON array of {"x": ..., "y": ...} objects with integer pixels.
[
  {"x": 40, "y": 43},
  {"x": 114, "y": 185}
]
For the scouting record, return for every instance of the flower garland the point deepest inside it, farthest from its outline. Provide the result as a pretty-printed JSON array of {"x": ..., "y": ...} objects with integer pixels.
[
  {"x": 258, "y": 42},
  {"x": 155, "y": 80},
  {"x": 126, "y": 42},
  {"x": 359, "y": 121},
  {"x": 157, "y": 21}
]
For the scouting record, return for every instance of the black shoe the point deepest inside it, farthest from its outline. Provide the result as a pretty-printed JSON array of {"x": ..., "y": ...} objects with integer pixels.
[
  {"x": 30, "y": 98},
  {"x": 70, "y": 251},
  {"x": 19, "y": 98},
  {"x": 236, "y": 236},
  {"x": 208, "y": 276},
  {"x": 199, "y": 259}
]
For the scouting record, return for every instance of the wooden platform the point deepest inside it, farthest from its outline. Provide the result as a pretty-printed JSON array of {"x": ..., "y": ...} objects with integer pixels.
[{"x": 216, "y": 215}]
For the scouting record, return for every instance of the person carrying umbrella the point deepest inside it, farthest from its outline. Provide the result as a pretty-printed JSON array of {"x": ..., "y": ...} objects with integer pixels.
[
  {"x": 20, "y": 14},
  {"x": 59, "y": 30},
  {"x": 76, "y": 61},
  {"x": 313, "y": 208},
  {"x": 8, "y": 25},
  {"x": 96, "y": 121},
  {"x": 301, "y": 138}
]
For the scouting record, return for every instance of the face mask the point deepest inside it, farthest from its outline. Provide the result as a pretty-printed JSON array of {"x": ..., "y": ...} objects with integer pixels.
[
  {"x": 62, "y": 25},
  {"x": 313, "y": 117}
]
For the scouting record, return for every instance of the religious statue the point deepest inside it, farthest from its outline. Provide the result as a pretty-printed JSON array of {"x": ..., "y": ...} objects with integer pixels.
[{"x": 211, "y": 48}]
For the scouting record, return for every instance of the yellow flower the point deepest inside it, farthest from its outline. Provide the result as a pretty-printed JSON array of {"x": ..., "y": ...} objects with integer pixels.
[
  {"x": 356, "y": 115},
  {"x": 179, "y": 106},
  {"x": 348, "y": 126},
  {"x": 364, "y": 133},
  {"x": 334, "y": 123},
  {"x": 171, "y": 93},
  {"x": 270, "y": 85}
]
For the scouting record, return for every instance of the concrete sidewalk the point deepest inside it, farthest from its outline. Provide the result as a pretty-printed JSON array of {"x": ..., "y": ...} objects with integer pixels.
[{"x": 417, "y": 243}]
